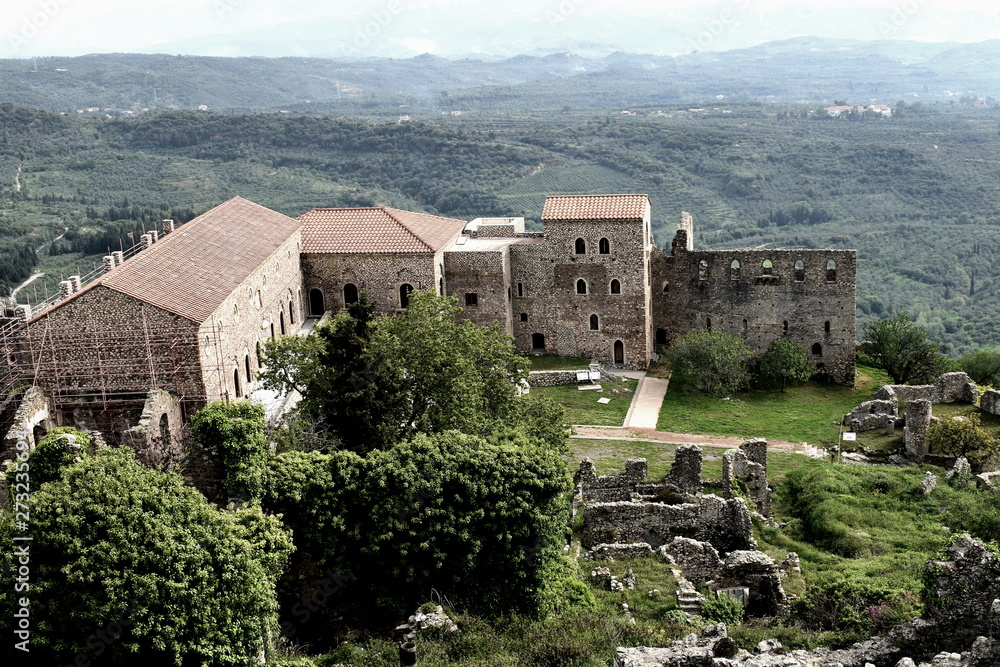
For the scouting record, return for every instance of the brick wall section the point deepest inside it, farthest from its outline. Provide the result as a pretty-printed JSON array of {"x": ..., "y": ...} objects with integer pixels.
[
  {"x": 755, "y": 305},
  {"x": 379, "y": 274},
  {"x": 270, "y": 295}
]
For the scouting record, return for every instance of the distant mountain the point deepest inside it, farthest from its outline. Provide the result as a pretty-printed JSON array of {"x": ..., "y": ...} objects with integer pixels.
[{"x": 801, "y": 70}]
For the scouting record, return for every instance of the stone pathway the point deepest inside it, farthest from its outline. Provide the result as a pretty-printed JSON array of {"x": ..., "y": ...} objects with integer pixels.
[{"x": 645, "y": 409}]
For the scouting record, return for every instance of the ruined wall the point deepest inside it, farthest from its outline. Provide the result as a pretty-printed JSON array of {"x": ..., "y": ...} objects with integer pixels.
[
  {"x": 265, "y": 304},
  {"x": 990, "y": 401},
  {"x": 617, "y": 291},
  {"x": 480, "y": 280},
  {"x": 918, "y": 419},
  {"x": 744, "y": 470},
  {"x": 685, "y": 472},
  {"x": 872, "y": 414},
  {"x": 761, "y": 304},
  {"x": 948, "y": 388},
  {"x": 610, "y": 487},
  {"x": 157, "y": 437},
  {"x": 723, "y": 523},
  {"x": 379, "y": 274},
  {"x": 32, "y": 420}
]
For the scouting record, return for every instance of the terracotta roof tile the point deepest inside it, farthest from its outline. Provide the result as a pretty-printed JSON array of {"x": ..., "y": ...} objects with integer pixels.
[
  {"x": 192, "y": 270},
  {"x": 375, "y": 230},
  {"x": 595, "y": 207}
]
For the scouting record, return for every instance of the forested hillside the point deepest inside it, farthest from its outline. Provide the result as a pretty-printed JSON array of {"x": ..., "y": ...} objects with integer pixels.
[{"x": 916, "y": 194}]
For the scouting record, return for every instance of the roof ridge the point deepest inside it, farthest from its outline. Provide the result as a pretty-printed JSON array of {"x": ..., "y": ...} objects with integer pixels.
[{"x": 391, "y": 213}]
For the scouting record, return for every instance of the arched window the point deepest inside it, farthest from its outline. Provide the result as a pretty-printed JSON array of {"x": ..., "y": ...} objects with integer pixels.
[
  {"x": 661, "y": 336},
  {"x": 291, "y": 312},
  {"x": 708, "y": 323},
  {"x": 734, "y": 270},
  {"x": 350, "y": 293},
  {"x": 246, "y": 365},
  {"x": 746, "y": 325},
  {"x": 281, "y": 321},
  {"x": 273, "y": 337},
  {"x": 766, "y": 267},
  {"x": 537, "y": 341},
  {"x": 520, "y": 289},
  {"x": 817, "y": 350},
  {"x": 317, "y": 305},
  {"x": 616, "y": 286},
  {"x": 800, "y": 271},
  {"x": 619, "y": 352},
  {"x": 404, "y": 295},
  {"x": 831, "y": 271},
  {"x": 164, "y": 431},
  {"x": 236, "y": 383},
  {"x": 581, "y": 247},
  {"x": 784, "y": 326},
  {"x": 440, "y": 286},
  {"x": 259, "y": 300},
  {"x": 604, "y": 247},
  {"x": 595, "y": 323},
  {"x": 260, "y": 358},
  {"x": 703, "y": 270},
  {"x": 581, "y": 286},
  {"x": 666, "y": 286},
  {"x": 826, "y": 326}
]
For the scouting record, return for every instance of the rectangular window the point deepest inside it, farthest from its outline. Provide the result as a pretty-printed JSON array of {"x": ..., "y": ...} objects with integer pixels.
[{"x": 471, "y": 299}]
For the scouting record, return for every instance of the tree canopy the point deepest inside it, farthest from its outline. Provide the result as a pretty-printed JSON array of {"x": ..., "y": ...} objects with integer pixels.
[
  {"x": 786, "y": 361},
  {"x": 900, "y": 347},
  {"x": 372, "y": 381},
  {"x": 119, "y": 546},
  {"x": 715, "y": 362}
]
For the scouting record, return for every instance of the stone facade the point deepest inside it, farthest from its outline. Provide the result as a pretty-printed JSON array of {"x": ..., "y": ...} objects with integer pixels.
[
  {"x": 158, "y": 435},
  {"x": 807, "y": 296}
]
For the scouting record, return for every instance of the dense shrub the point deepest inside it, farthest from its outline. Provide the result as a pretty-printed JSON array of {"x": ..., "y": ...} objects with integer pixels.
[
  {"x": 51, "y": 456},
  {"x": 723, "y": 609}
]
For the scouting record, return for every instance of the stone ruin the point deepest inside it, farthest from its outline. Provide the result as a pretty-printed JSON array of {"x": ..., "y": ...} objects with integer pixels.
[
  {"x": 628, "y": 509},
  {"x": 626, "y": 515},
  {"x": 960, "y": 628},
  {"x": 883, "y": 411}
]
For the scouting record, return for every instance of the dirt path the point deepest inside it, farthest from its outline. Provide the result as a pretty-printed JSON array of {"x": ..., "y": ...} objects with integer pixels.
[{"x": 651, "y": 435}]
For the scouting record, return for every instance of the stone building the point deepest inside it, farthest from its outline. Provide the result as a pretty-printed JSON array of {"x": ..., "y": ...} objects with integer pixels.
[{"x": 189, "y": 312}]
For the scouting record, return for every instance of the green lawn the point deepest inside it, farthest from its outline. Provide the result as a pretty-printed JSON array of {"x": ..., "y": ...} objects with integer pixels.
[
  {"x": 810, "y": 412},
  {"x": 582, "y": 406}
]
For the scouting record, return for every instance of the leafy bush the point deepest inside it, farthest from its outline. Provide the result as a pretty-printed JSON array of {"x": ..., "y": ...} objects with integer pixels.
[
  {"x": 723, "y": 609},
  {"x": 120, "y": 546},
  {"x": 963, "y": 436},
  {"x": 236, "y": 431},
  {"x": 715, "y": 362},
  {"x": 51, "y": 456}
]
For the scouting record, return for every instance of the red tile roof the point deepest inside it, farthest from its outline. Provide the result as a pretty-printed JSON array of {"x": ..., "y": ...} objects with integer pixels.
[
  {"x": 375, "y": 230},
  {"x": 192, "y": 270},
  {"x": 595, "y": 207}
]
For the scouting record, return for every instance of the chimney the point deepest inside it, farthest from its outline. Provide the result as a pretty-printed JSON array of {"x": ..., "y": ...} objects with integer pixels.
[
  {"x": 109, "y": 263},
  {"x": 23, "y": 312},
  {"x": 146, "y": 241},
  {"x": 65, "y": 289},
  {"x": 119, "y": 257},
  {"x": 168, "y": 225},
  {"x": 154, "y": 235},
  {"x": 75, "y": 282}
]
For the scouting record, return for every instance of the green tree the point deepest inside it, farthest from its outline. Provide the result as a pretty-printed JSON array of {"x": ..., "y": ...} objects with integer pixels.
[
  {"x": 983, "y": 366},
  {"x": 714, "y": 361},
  {"x": 901, "y": 349},
  {"x": 124, "y": 549},
  {"x": 374, "y": 381},
  {"x": 55, "y": 453},
  {"x": 786, "y": 361},
  {"x": 963, "y": 436},
  {"x": 235, "y": 431}
]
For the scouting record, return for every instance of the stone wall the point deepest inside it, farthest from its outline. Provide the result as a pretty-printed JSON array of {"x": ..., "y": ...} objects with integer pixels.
[
  {"x": 157, "y": 438},
  {"x": 685, "y": 471},
  {"x": 948, "y": 388},
  {"x": 699, "y": 560},
  {"x": 267, "y": 304},
  {"x": 871, "y": 415},
  {"x": 480, "y": 280},
  {"x": 741, "y": 471},
  {"x": 723, "y": 523},
  {"x": 695, "y": 290},
  {"x": 379, "y": 274},
  {"x": 608, "y": 488},
  {"x": 990, "y": 402},
  {"x": 758, "y": 572},
  {"x": 918, "y": 419},
  {"x": 32, "y": 419}
]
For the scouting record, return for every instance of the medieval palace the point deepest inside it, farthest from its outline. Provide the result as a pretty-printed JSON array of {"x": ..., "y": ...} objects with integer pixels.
[{"x": 180, "y": 323}]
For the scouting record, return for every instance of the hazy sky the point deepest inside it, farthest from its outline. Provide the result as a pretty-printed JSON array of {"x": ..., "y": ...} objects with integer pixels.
[{"x": 448, "y": 27}]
